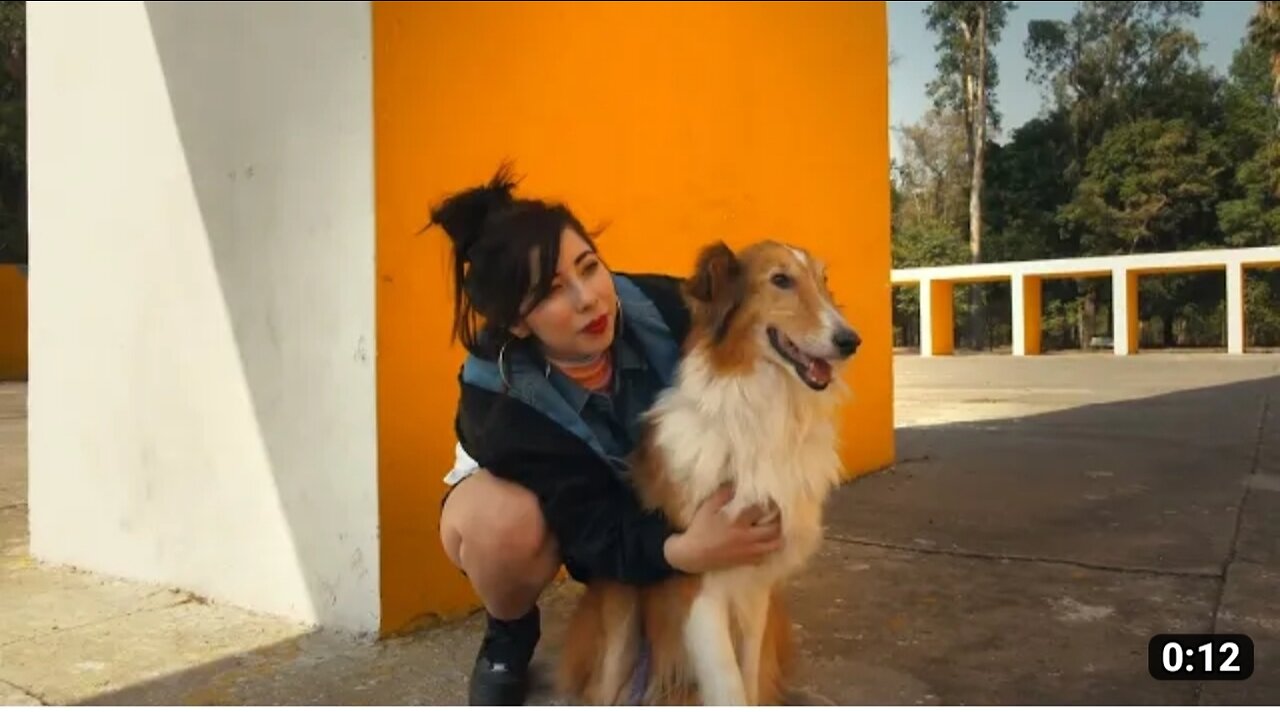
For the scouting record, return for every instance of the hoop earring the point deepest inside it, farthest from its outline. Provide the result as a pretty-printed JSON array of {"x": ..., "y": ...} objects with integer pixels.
[{"x": 502, "y": 369}]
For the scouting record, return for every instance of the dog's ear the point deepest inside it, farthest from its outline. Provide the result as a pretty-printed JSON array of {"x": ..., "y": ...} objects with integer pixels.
[
  {"x": 716, "y": 286},
  {"x": 715, "y": 266}
]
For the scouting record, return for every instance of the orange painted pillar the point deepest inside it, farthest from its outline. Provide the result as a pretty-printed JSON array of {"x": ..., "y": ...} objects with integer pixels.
[
  {"x": 675, "y": 124},
  {"x": 937, "y": 318},
  {"x": 13, "y": 324}
]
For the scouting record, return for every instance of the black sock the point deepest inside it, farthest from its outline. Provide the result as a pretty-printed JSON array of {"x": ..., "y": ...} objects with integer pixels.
[{"x": 513, "y": 641}]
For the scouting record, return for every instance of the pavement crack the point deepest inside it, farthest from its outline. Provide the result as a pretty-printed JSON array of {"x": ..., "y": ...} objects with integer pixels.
[
  {"x": 1233, "y": 549},
  {"x": 108, "y": 619},
  {"x": 28, "y": 692},
  {"x": 1262, "y": 426},
  {"x": 1023, "y": 558}
]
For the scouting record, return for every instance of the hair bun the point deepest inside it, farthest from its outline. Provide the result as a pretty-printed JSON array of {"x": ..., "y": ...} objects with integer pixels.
[{"x": 463, "y": 215}]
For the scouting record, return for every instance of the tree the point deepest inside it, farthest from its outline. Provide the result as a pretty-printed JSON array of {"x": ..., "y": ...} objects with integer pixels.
[
  {"x": 1026, "y": 187},
  {"x": 925, "y": 242},
  {"x": 1113, "y": 63},
  {"x": 1149, "y": 187},
  {"x": 1110, "y": 61},
  {"x": 932, "y": 174},
  {"x": 13, "y": 133},
  {"x": 928, "y": 191},
  {"x": 1152, "y": 186},
  {"x": 1253, "y": 219},
  {"x": 967, "y": 78},
  {"x": 1264, "y": 32},
  {"x": 1249, "y": 214}
]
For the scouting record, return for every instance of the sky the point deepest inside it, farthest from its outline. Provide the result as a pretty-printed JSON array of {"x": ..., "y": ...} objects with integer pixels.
[{"x": 1221, "y": 27}]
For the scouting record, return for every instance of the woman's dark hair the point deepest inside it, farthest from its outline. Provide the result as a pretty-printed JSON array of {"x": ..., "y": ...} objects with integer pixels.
[{"x": 494, "y": 235}]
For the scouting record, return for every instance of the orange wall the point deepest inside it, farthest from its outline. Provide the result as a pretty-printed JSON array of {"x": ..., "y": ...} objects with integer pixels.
[
  {"x": 676, "y": 125},
  {"x": 13, "y": 324}
]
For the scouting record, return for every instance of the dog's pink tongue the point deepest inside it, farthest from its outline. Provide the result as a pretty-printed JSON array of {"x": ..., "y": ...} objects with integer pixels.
[{"x": 819, "y": 371}]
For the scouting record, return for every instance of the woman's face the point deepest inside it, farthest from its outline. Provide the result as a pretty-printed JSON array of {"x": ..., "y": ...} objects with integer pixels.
[{"x": 577, "y": 318}]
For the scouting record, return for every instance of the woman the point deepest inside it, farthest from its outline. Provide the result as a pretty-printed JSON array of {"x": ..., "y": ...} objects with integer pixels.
[{"x": 564, "y": 357}]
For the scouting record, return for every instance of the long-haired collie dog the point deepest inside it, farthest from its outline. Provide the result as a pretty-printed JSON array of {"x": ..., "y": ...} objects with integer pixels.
[{"x": 753, "y": 406}]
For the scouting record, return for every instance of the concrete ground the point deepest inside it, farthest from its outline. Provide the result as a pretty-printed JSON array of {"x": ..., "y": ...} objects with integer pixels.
[{"x": 1045, "y": 518}]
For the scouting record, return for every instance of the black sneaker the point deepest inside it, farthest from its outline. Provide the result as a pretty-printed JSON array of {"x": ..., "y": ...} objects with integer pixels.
[{"x": 501, "y": 673}]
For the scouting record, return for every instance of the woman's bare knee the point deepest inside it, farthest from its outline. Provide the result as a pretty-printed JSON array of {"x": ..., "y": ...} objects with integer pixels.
[
  {"x": 490, "y": 523},
  {"x": 510, "y": 532}
]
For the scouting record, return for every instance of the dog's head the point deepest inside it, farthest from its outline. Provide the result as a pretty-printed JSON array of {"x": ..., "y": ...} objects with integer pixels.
[{"x": 770, "y": 301}]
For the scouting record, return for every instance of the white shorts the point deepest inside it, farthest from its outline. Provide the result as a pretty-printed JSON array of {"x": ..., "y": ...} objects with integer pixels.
[{"x": 463, "y": 466}]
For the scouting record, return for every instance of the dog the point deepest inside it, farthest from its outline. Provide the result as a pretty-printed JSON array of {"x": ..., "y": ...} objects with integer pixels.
[{"x": 753, "y": 406}]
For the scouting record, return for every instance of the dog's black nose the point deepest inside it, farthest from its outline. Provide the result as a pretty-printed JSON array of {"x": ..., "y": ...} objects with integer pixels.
[{"x": 847, "y": 341}]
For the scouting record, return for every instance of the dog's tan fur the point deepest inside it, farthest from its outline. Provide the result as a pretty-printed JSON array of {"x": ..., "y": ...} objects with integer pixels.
[{"x": 738, "y": 414}]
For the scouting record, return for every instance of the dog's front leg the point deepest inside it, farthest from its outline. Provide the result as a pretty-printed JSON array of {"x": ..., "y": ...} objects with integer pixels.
[
  {"x": 622, "y": 640},
  {"x": 752, "y": 608},
  {"x": 709, "y": 641}
]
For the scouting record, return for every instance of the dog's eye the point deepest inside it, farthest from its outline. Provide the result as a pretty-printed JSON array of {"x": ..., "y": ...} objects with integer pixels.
[{"x": 782, "y": 281}]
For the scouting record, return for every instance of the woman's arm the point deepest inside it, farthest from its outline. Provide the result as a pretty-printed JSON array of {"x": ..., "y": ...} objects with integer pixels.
[{"x": 603, "y": 532}]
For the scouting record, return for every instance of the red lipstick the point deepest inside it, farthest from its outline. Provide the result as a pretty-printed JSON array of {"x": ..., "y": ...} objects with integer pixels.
[{"x": 597, "y": 325}]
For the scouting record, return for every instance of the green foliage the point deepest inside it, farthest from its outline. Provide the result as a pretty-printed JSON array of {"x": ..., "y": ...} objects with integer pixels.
[
  {"x": 1262, "y": 318},
  {"x": 1139, "y": 148},
  {"x": 920, "y": 244},
  {"x": 932, "y": 176},
  {"x": 929, "y": 192},
  {"x": 928, "y": 243},
  {"x": 1109, "y": 61},
  {"x": 1253, "y": 219},
  {"x": 1264, "y": 28},
  {"x": 13, "y": 133},
  {"x": 1249, "y": 214},
  {"x": 1249, "y": 116},
  {"x": 1149, "y": 187},
  {"x": 1027, "y": 183}
]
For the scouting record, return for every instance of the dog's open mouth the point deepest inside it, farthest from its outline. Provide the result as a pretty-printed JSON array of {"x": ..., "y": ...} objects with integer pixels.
[{"x": 815, "y": 372}]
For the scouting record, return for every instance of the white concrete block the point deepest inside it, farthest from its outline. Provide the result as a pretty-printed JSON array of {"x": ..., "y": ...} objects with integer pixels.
[{"x": 202, "y": 392}]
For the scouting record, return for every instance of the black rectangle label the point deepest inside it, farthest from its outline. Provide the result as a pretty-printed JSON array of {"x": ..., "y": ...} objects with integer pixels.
[{"x": 1200, "y": 656}]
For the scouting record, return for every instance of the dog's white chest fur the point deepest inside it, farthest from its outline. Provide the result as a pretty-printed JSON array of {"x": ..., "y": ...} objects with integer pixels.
[
  {"x": 766, "y": 433},
  {"x": 774, "y": 440}
]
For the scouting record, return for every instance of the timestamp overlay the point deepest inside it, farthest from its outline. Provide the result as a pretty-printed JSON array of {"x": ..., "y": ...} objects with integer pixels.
[{"x": 1200, "y": 656}]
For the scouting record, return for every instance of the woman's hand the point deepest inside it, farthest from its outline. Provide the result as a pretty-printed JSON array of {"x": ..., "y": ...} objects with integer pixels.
[{"x": 714, "y": 541}]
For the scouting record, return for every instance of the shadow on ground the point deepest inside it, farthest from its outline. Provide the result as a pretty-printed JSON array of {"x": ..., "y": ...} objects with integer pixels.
[{"x": 1025, "y": 560}]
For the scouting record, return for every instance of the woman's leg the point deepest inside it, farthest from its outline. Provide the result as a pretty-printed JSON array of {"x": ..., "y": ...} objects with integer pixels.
[{"x": 493, "y": 530}]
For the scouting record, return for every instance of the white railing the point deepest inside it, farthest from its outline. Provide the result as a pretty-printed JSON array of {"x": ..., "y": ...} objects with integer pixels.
[{"x": 936, "y": 298}]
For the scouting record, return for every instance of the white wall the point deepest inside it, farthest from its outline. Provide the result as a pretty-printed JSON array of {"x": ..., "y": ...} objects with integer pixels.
[{"x": 202, "y": 407}]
